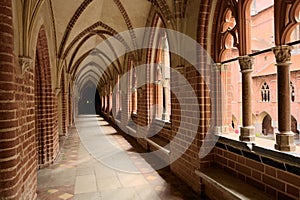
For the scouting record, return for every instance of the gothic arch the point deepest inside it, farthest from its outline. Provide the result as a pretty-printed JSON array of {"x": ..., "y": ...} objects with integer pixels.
[
  {"x": 38, "y": 23},
  {"x": 224, "y": 27},
  {"x": 292, "y": 20},
  {"x": 294, "y": 125},
  {"x": 160, "y": 9},
  {"x": 267, "y": 125},
  {"x": 261, "y": 117}
]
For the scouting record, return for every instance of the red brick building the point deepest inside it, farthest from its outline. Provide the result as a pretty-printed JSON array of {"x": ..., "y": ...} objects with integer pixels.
[
  {"x": 264, "y": 101},
  {"x": 197, "y": 88}
]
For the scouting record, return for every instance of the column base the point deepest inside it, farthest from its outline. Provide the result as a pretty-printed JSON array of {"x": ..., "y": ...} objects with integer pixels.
[
  {"x": 247, "y": 134},
  {"x": 285, "y": 142},
  {"x": 165, "y": 117}
]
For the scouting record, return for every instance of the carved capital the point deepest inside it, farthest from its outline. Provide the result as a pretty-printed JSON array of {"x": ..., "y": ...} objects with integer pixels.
[
  {"x": 282, "y": 54},
  {"x": 25, "y": 62},
  {"x": 246, "y": 64}
]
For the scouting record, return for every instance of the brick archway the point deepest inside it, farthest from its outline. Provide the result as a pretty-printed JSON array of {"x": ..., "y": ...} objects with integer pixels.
[
  {"x": 45, "y": 109},
  {"x": 267, "y": 125},
  {"x": 294, "y": 125}
]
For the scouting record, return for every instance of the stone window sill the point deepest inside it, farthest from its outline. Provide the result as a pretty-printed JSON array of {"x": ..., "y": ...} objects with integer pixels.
[
  {"x": 162, "y": 123},
  {"x": 262, "y": 150}
]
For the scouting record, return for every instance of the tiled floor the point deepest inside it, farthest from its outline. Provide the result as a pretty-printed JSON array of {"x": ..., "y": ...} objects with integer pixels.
[{"x": 78, "y": 175}]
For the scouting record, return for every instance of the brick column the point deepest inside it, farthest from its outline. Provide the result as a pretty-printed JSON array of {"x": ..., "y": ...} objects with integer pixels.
[
  {"x": 70, "y": 109},
  {"x": 247, "y": 131},
  {"x": 9, "y": 156},
  {"x": 285, "y": 138},
  {"x": 126, "y": 98}
]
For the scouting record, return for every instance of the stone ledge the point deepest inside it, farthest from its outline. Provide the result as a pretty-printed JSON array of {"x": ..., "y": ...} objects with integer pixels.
[
  {"x": 289, "y": 162},
  {"x": 220, "y": 185}
]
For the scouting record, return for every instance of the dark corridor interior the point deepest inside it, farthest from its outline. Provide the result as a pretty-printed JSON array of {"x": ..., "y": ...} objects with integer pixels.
[{"x": 89, "y": 102}]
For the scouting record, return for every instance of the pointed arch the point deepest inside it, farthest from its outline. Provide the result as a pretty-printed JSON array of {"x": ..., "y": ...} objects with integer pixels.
[{"x": 45, "y": 115}]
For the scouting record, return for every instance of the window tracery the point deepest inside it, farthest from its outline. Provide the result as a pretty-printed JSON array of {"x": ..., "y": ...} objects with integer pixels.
[{"x": 265, "y": 92}]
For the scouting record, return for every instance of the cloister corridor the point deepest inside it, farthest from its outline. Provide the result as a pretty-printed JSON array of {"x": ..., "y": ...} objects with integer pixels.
[{"x": 78, "y": 175}]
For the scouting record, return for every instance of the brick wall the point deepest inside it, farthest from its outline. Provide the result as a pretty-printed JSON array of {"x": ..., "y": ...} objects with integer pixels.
[
  {"x": 17, "y": 139},
  {"x": 45, "y": 105},
  {"x": 260, "y": 108},
  {"x": 189, "y": 160},
  {"x": 186, "y": 165},
  {"x": 28, "y": 106}
]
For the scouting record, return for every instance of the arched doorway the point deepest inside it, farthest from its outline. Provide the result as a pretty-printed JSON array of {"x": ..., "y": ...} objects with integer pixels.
[
  {"x": 294, "y": 125},
  {"x": 267, "y": 125},
  {"x": 294, "y": 129}
]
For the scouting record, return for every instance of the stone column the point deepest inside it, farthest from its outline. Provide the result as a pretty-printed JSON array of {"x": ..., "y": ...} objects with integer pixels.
[
  {"x": 247, "y": 131},
  {"x": 285, "y": 138},
  {"x": 225, "y": 82},
  {"x": 166, "y": 97},
  {"x": 217, "y": 98}
]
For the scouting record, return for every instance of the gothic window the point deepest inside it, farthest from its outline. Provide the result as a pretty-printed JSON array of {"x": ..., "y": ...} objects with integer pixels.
[
  {"x": 292, "y": 92},
  {"x": 265, "y": 93},
  {"x": 118, "y": 96},
  {"x": 159, "y": 92},
  {"x": 163, "y": 101},
  {"x": 229, "y": 36},
  {"x": 134, "y": 92}
]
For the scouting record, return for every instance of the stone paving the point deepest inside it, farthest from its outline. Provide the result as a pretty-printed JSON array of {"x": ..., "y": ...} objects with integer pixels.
[{"x": 77, "y": 175}]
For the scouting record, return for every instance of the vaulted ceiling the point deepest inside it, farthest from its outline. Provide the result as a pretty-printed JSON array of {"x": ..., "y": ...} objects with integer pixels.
[
  {"x": 77, "y": 27},
  {"x": 81, "y": 25}
]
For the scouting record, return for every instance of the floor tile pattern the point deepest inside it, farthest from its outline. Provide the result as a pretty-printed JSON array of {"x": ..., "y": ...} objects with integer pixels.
[{"x": 76, "y": 175}]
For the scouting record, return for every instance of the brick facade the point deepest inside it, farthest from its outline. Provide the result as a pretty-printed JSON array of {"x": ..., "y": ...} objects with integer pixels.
[
  {"x": 276, "y": 177},
  {"x": 38, "y": 101}
]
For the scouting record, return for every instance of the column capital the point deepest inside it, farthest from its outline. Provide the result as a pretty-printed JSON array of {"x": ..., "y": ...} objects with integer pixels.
[
  {"x": 282, "y": 54},
  {"x": 25, "y": 62},
  {"x": 246, "y": 64},
  {"x": 166, "y": 82}
]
